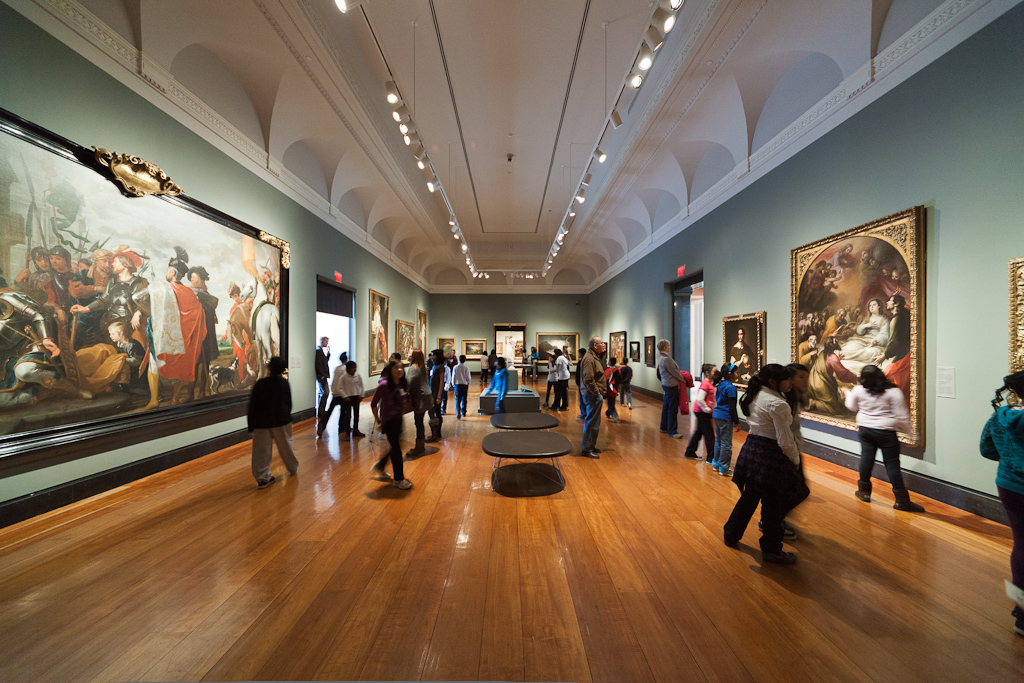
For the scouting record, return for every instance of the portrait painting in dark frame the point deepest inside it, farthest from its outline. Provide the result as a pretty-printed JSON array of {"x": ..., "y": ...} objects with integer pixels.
[
  {"x": 650, "y": 352},
  {"x": 151, "y": 313},
  {"x": 634, "y": 352},
  {"x": 743, "y": 343}
]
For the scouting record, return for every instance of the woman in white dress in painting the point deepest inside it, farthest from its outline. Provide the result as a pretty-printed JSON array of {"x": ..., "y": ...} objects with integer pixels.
[{"x": 871, "y": 338}]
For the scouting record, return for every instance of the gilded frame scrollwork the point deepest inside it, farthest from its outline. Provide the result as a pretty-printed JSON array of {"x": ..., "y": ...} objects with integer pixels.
[
  {"x": 905, "y": 231},
  {"x": 1016, "y": 282}
]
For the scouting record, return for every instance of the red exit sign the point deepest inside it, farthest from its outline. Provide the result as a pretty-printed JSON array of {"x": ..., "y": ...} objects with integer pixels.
[
  {"x": 679, "y": 271},
  {"x": 337, "y": 276}
]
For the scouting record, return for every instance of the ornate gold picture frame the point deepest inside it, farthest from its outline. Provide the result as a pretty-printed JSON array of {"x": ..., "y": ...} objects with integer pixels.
[
  {"x": 743, "y": 343},
  {"x": 858, "y": 299},
  {"x": 1016, "y": 277}
]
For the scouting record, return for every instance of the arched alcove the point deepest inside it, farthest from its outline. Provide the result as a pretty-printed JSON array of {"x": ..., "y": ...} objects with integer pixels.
[
  {"x": 716, "y": 163},
  {"x": 809, "y": 80},
  {"x": 300, "y": 160},
  {"x": 568, "y": 276},
  {"x": 903, "y": 15}
]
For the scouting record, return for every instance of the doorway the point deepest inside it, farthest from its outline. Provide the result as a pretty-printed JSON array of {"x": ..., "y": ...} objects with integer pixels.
[
  {"x": 688, "y": 324},
  {"x": 335, "y": 307}
]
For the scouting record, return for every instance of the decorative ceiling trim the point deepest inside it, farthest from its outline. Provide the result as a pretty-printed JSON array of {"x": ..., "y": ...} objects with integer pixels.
[{"x": 940, "y": 31}]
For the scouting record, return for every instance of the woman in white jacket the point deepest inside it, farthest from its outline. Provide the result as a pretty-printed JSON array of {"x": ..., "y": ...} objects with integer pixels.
[{"x": 768, "y": 467}]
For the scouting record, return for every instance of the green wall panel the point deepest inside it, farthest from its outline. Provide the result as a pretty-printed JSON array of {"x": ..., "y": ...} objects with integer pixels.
[
  {"x": 949, "y": 138},
  {"x": 51, "y": 85}
]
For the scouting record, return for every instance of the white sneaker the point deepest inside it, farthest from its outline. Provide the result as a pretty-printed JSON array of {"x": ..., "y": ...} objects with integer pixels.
[
  {"x": 377, "y": 470},
  {"x": 404, "y": 484}
]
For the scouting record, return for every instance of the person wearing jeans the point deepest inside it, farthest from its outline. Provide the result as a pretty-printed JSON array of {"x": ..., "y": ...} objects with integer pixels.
[
  {"x": 579, "y": 383},
  {"x": 461, "y": 377},
  {"x": 593, "y": 388},
  {"x": 269, "y": 419},
  {"x": 388, "y": 406},
  {"x": 561, "y": 381},
  {"x": 725, "y": 416},
  {"x": 703, "y": 406},
  {"x": 881, "y": 410},
  {"x": 625, "y": 384},
  {"x": 672, "y": 383}
]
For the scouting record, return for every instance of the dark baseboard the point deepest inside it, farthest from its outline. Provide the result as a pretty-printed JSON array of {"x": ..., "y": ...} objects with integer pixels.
[
  {"x": 969, "y": 500},
  {"x": 33, "y": 504},
  {"x": 657, "y": 395}
]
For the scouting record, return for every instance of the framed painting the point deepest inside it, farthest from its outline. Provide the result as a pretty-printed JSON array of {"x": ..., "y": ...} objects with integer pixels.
[
  {"x": 743, "y": 342},
  {"x": 128, "y": 310},
  {"x": 568, "y": 342},
  {"x": 617, "y": 346},
  {"x": 858, "y": 299},
  {"x": 405, "y": 338},
  {"x": 510, "y": 341},
  {"x": 634, "y": 352},
  {"x": 474, "y": 349},
  {"x": 421, "y": 331},
  {"x": 379, "y": 312},
  {"x": 650, "y": 355},
  {"x": 447, "y": 345},
  {"x": 1016, "y": 272}
]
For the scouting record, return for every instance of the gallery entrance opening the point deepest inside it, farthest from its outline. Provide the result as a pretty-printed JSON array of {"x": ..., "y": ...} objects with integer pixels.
[
  {"x": 688, "y": 323},
  {"x": 334, "y": 312}
]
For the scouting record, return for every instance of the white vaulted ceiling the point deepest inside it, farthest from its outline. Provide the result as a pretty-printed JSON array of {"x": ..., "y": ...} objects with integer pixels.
[{"x": 295, "y": 89}]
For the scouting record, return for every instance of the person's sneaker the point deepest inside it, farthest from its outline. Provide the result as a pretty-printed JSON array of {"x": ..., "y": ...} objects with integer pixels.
[
  {"x": 404, "y": 484},
  {"x": 319, "y": 434},
  {"x": 264, "y": 483},
  {"x": 597, "y": 450},
  {"x": 677, "y": 435},
  {"x": 377, "y": 470},
  {"x": 590, "y": 454},
  {"x": 724, "y": 471},
  {"x": 781, "y": 557},
  {"x": 788, "y": 533},
  {"x": 692, "y": 456}
]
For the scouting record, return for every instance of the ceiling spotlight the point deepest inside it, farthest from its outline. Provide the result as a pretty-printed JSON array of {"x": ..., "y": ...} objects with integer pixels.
[
  {"x": 405, "y": 127},
  {"x": 451, "y": 222},
  {"x": 579, "y": 195},
  {"x": 465, "y": 247},
  {"x": 487, "y": 276},
  {"x": 654, "y": 38},
  {"x": 411, "y": 137},
  {"x": 616, "y": 119},
  {"x": 671, "y": 5},
  {"x": 401, "y": 114},
  {"x": 586, "y": 179},
  {"x": 419, "y": 152},
  {"x": 456, "y": 235},
  {"x": 572, "y": 212},
  {"x": 433, "y": 183},
  {"x": 635, "y": 80},
  {"x": 646, "y": 57},
  {"x": 664, "y": 20},
  {"x": 392, "y": 91},
  {"x": 601, "y": 156}
]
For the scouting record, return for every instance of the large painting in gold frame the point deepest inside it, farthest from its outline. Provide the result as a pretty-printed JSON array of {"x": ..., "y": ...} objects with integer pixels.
[
  {"x": 1016, "y": 268},
  {"x": 857, "y": 299}
]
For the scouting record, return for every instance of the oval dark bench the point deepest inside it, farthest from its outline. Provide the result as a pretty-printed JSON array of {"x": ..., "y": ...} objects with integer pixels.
[
  {"x": 526, "y": 445},
  {"x": 524, "y": 421}
]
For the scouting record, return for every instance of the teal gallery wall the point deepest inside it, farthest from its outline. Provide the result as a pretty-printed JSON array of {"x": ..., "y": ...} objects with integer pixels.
[
  {"x": 49, "y": 84},
  {"x": 951, "y": 138}
]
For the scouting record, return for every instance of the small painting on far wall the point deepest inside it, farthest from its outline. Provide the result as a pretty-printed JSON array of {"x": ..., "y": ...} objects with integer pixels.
[
  {"x": 421, "y": 331},
  {"x": 447, "y": 345},
  {"x": 634, "y": 352},
  {"x": 649, "y": 355},
  {"x": 474, "y": 349},
  {"x": 617, "y": 346},
  {"x": 405, "y": 338},
  {"x": 743, "y": 339},
  {"x": 568, "y": 342}
]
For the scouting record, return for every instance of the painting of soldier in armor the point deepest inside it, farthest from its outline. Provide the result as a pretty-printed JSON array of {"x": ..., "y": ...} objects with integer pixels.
[
  {"x": 113, "y": 306},
  {"x": 857, "y": 301}
]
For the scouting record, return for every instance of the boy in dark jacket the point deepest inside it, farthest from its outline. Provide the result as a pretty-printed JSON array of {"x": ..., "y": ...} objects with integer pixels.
[{"x": 270, "y": 421}]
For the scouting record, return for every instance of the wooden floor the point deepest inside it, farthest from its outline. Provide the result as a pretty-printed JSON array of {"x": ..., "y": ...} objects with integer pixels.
[{"x": 194, "y": 574}]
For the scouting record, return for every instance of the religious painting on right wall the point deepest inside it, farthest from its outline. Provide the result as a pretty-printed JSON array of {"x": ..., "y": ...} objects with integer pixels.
[
  {"x": 1016, "y": 315},
  {"x": 857, "y": 299}
]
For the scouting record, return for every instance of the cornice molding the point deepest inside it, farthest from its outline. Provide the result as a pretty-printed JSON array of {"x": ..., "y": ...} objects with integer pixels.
[
  {"x": 936, "y": 34},
  {"x": 126, "y": 63}
]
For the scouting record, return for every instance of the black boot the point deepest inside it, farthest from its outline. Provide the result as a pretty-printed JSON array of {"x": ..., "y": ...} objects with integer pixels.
[
  {"x": 864, "y": 491},
  {"x": 903, "y": 501}
]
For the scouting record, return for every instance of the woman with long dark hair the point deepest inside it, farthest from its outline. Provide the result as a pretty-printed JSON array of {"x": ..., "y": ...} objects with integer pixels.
[
  {"x": 703, "y": 405},
  {"x": 1003, "y": 440},
  {"x": 724, "y": 416},
  {"x": 881, "y": 410},
  {"x": 768, "y": 467},
  {"x": 388, "y": 406},
  {"x": 499, "y": 384}
]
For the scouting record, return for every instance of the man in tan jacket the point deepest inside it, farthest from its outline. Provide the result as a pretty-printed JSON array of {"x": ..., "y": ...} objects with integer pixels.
[{"x": 592, "y": 389}]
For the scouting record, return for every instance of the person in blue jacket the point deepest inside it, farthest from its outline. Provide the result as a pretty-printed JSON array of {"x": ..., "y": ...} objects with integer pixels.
[
  {"x": 725, "y": 416},
  {"x": 499, "y": 384},
  {"x": 1002, "y": 439}
]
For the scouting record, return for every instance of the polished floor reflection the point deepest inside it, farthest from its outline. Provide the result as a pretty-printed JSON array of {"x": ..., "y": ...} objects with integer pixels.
[{"x": 193, "y": 574}]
